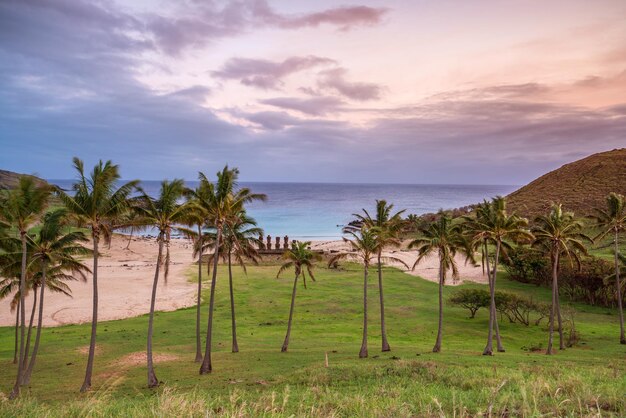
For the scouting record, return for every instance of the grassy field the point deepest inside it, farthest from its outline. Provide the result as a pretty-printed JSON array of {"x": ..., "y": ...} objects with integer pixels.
[{"x": 588, "y": 379}]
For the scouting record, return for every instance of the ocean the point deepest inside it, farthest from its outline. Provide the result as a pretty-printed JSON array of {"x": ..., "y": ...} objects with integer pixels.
[{"x": 318, "y": 211}]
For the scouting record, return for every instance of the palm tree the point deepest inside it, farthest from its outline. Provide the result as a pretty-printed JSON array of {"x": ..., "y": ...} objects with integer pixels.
[
  {"x": 560, "y": 234},
  {"x": 364, "y": 245},
  {"x": 389, "y": 227},
  {"x": 492, "y": 225},
  {"x": 21, "y": 209},
  {"x": 613, "y": 220},
  {"x": 55, "y": 250},
  {"x": 198, "y": 201},
  {"x": 302, "y": 259},
  {"x": 241, "y": 239},
  {"x": 164, "y": 213},
  {"x": 223, "y": 200},
  {"x": 96, "y": 203},
  {"x": 445, "y": 237}
]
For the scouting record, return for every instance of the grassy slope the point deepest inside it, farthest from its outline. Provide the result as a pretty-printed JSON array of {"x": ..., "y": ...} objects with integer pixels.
[{"x": 261, "y": 380}]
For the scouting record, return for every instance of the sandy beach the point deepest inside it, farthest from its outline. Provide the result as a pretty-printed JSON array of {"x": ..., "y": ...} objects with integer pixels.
[{"x": 125, "y": 279}]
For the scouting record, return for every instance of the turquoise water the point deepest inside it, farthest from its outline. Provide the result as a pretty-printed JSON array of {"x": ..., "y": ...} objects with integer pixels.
[{"x": 317, "y": 211}]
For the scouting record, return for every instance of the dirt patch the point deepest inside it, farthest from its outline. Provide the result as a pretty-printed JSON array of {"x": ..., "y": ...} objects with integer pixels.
[
  {"x": 139, "y": 358},
  {"x": 85, "y": 350}
]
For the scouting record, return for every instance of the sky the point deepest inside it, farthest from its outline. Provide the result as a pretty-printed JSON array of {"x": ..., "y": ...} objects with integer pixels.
[{"x": 449, "y": 91}]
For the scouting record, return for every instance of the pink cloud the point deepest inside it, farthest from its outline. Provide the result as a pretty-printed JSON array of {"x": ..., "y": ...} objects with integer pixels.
[
  {"x": 267, "y": 74},
  {"x": 315, "y": 106},
  {"x": 197, "y": 25},
  {"x": 334, "y": 79}
]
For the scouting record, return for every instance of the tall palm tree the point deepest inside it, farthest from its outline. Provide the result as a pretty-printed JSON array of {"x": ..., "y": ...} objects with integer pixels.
[
  {"x": 96, "y": 204},
  {"x": 302, "y": 259},
  {"x": 21, "y": 208},
  {"x": 164, "y": 213},
  {"x": 443, "y": 236},
  {"x": 240, "y": 241},
  {"x": 612, "y": 220},
  {"x": 389, "y": 226},
  {"x": 364, "y": 245},
  {"x": 197, "y": 215},
  {"x": 492, "y": 225},
  {"x": 56, "y": 252},
  {"x": 559, "y": 234},
  {"x": 224, "y": 199}
]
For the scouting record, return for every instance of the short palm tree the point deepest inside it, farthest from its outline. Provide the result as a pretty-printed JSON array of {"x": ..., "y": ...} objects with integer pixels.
[
  {"x": 21, "y": 208},
  {"x": 240, "y": 240},
  {"x": 164, "y": 213},
  {"x": 56, "y": 253},
  {"x": 223, "y": 200},
  {"x": 389, "y": 226},
  {"x": 492, "y": 225},
  {"x": 560, "y": 235},
  {"x": 442, "y": 236},
  {"x": 302, "y": 259},
  {"x": 612, "y": 220},
  {"x": 364, "y": 246},
  {"x": 96, "y": 203}
]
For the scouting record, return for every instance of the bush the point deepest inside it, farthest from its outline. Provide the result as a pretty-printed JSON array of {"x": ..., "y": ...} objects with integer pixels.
[
  {"x": 515, "y": 308},
  {"x": 585, "y": 284},
  {"x": 527, "y": 265},
  {"x": 472, "y": 299}
]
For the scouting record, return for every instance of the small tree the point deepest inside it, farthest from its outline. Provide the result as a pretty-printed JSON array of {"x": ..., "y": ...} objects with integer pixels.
[
  {"x": 302, "y": 259},
  {"x": 471, "y": 299}
]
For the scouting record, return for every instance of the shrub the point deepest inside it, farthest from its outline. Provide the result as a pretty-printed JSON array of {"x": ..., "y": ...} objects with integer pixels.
[
  {"x": 527, "y": 265},
  {"x": 472, "y": 299}
]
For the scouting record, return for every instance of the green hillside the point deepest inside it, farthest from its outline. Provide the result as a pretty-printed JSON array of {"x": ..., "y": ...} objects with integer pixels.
[{"x": 261, "y": 381}]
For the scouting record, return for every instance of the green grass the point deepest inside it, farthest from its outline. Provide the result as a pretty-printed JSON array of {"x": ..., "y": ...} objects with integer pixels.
[{"x": 259, "y": 380}]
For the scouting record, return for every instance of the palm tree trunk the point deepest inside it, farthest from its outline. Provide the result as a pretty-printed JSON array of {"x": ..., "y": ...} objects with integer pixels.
[
  {"x": 293, "y": 303},
  {"x": 94, "y": 318},
  {"x": 437, "y": 347},
  {"x": 30, "y": 331},
  {"x": 17, "y": 328},
  {"x": 363, "y": 352},
  {"x": 152, "y": 379},
  {"x": 558, "y": 314},
  {"x": 235, "y": 348},
  {"x": 493, "y": 298},
  {"x": 198, "y": 339},
  {"x": 555, "y": 262},
  {"x": 488, "y": 351},
  {"x": 383, "y": 327},
  {"x": 206, "y": 366},
  {"x": 33, "y": 357},
  {"x": 20, "y": 361},
  {"x": 620, "y": 310},
  {"x": 130, "y": 238}
]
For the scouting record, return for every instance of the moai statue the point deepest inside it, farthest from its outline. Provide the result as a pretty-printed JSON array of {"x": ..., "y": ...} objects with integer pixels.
[
  {"x": 285, "y": 242},
  {"x": 269, "y": 242},
  {"x": 278, "y": 243},
  {"x": 261, "y": 244}
]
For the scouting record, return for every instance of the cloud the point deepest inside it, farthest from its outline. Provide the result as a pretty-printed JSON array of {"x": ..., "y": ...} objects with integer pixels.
[
  {"x": 199, "y": 23},
  {"x": 267, "y": 74},
  {"x": 334, "y": 79},
  {"x": 315, "y": 106}
]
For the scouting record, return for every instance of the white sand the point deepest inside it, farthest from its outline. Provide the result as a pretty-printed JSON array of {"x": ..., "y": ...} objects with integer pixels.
[
  {"x": 124, "y": 285},
  {"x": 125, "y": 282}
]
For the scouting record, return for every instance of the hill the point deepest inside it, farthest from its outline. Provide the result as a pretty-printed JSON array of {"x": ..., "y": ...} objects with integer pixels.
[
  {"x": 579, "y": 186},
  {"x": 9, "y": 179}
]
